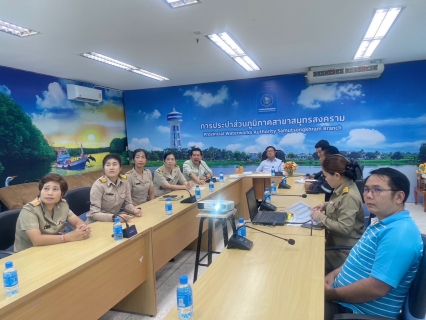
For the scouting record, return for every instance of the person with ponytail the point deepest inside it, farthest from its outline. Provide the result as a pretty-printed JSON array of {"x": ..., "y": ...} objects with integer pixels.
[{"x": 343, "y": 214}]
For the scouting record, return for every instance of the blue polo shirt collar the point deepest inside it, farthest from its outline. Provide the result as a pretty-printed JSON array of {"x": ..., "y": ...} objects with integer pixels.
[{"x": 395, "y": 217}]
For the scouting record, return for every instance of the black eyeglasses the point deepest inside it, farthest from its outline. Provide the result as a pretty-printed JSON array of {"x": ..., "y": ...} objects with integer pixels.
[{"x": 376, "y": 191}]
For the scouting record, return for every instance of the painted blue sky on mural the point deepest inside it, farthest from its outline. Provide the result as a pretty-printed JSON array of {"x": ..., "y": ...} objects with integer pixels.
[{"x": 386, "y": 114}]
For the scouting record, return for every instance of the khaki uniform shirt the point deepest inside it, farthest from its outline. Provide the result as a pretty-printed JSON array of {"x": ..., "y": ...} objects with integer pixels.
[
  {"x": 162, "y": 176},
  {"x": 344, "y": 216},
  {"x": 201, "y": 171},
  {"x": 35, "y": 216},
  {"x": 139, "y": 186},
  {"x": 110, "y": 197}
]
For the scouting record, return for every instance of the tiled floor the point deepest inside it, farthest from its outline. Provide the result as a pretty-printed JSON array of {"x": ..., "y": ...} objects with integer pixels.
[{"x": 168, "y": 276}]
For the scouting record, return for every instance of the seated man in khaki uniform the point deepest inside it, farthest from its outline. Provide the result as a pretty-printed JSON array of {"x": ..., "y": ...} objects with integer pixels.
[{"x": 196, "y": 169}]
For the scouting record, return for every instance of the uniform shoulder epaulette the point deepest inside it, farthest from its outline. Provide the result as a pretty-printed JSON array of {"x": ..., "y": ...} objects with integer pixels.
[
  {"x": 103, "y": 179},
  {"x": 177, "y": 166},
  {"x": 345, "y": 190},
  {"x": 123, "y": 176},
  {"x": 129, "y": 172},
  {"x": 63, "y": 200},
  {"x": 159, "y": 170},
  {"x": 36, "y": 202}
]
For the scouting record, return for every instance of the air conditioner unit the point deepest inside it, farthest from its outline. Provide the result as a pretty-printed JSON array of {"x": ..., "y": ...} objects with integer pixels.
[
  {"x": 345, "y": 72},
  {"x": 84, "y": 94}
]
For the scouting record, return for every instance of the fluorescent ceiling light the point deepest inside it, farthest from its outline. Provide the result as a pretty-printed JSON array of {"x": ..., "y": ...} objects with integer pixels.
[
  {"x": 16, "y": 30},
  {"x": 122, "y": 65},
  {"x": 232, "y": 49},
  {"x": 382, "y": 21},
  {"x": 181, "y": 3}
]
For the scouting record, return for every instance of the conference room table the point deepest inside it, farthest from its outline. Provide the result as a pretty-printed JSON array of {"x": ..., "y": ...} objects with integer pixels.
[{"x": 63, "y": 280}]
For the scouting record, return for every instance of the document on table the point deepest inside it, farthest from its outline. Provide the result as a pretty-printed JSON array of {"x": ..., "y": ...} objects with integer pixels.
[
  {"x": 302, "y": 181},
  {"x": 301, "y": 212}
]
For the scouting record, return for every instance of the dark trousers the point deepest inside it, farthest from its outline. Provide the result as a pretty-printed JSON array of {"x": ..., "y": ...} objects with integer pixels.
[{"x": 331, "y": 308}]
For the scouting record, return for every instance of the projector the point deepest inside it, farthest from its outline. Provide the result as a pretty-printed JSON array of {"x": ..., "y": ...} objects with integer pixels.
[{"x": 216, "y": 205}]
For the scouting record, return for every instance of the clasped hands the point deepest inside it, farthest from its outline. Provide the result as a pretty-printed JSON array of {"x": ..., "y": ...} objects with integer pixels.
[{"x": 316, "y": 211}]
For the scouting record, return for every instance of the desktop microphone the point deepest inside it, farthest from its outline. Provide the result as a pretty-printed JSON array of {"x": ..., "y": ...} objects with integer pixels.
[
  {"x": 129, "y": 231},
  {"x": 291, "y": 195},
  {"x": 209, "y": 171},
  {"x": 238, "y": 242},
  {"x": 190, "y": 199}
]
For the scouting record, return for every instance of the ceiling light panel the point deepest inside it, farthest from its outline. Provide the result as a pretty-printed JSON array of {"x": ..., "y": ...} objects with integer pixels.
[
  {"x": 382, "y": 21},
  {"x": 181, "y": 3},
  {"x": 16, "y": 30},
  {"x": 117, "y": 63},
  {"x": 229, "y": 45}
]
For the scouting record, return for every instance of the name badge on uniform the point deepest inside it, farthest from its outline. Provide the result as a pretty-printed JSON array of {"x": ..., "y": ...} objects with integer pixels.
[{"x": 109, "y": 194}]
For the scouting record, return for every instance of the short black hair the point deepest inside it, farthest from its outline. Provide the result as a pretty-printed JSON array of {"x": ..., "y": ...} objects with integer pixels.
[
  {"x": 330, "y": 150},
  {"x": 270, "y": 147},
  {"x": 322, "y": 144},
  {"x": 111, "y": 156},
  {"x": 195, "y": 149},
  {"x": 137, "y": 151},
  {"x": 397, "y": 180},
  {"x": 167, "y": 154}
]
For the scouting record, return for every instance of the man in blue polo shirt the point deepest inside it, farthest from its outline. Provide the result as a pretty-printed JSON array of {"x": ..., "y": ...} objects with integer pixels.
[
  {"x": 266, "y": 165},
  {"x": 377, "y": 275}
]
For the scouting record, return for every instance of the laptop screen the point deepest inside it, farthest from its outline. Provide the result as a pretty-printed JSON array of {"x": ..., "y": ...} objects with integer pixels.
[{"x": 251, "y": 203}]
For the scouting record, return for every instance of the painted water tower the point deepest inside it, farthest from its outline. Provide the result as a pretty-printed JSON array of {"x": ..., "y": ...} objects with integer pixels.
[{"x": 174, "y": 118}]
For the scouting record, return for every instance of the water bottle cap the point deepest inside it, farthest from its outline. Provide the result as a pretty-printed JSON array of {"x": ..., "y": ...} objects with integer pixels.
[
  {"x": 117, "y": 219},
  {"x": 168, "y": 199},
  {"x": 241, "y": 220},
  {"x": 272, "y": 167},
  {"x": 197, "y": 186},
  {"x": 8, "y": 264},
  {"x": 266, "y": 189},
  {"x": 183, "y": 279}
]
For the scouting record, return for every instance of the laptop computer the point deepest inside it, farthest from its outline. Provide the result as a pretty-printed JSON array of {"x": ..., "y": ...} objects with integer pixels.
[{"x": 269, "y": 218}]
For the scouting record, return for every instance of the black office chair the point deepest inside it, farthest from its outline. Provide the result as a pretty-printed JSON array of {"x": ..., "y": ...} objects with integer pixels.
[
  {"x": 7, "y": 231},
  {"x": 280, "y": 155},
  {"x": 415, "y": 303},
  {"x": 78, "y": 200}
]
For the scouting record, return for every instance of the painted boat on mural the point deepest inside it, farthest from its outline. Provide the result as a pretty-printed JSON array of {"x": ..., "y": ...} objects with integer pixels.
[{"x": 64, "y": 161}]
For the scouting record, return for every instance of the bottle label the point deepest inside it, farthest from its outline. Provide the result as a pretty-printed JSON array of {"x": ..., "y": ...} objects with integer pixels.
[
  {"x": 184, "y": 300},
  {"x": 169, "y": 207},
  {"x": 10, "y": 279},
  {"x": 118, "y": 229}
]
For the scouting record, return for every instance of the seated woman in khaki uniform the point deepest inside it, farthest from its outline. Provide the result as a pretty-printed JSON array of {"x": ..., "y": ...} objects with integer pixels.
[
  {"x": 41, "y": 221},
  {"x": 140, "y": 179},
  {"x": 110, "y": 192},
  {"x": 168, "y": 177},
  {"x": 343, "y": 215}
]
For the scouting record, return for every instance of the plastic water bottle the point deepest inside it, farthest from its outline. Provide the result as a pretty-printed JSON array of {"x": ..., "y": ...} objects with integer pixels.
[
  {"x": 117, "y": 229},
  {"x": 273, "y": 171},
  {"x": 267, "y": 196},
  {"x": 184, "y": 299},
  {"x": 10, "y": 279},
  {"x": 211, "y": 186},
  {"x": 221, "y": 178},
  {"x": 197, "y": 193},
  {"x": 284, "y": 179},
  {"x": 169, "y": 207},
  {"x": 241, "y": 231},
  {"x": 273, "y": 188}
]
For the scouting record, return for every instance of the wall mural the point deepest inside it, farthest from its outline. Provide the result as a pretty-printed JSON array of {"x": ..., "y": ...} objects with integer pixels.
[
  {"x": 41, "y": 131},
  {"x": 379, "y": 122}
]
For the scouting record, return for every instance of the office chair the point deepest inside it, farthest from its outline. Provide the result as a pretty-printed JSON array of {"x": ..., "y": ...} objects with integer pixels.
[
  {"x": 78, "y": 200},
  {"x": 7, "y": 231},
  {"x": 280, "y": 155},
  {"x": 415, "y": 304}
]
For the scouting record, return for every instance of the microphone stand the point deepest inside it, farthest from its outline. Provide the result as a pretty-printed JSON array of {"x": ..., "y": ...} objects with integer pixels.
[
  {"x": 190, "y": 199},
  {"x": 291, "y": 195},
  {"x": 129, "y": 231}
]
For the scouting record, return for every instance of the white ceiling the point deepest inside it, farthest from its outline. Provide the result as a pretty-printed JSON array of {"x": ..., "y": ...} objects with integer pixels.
[{"x": 283, "y": 37}]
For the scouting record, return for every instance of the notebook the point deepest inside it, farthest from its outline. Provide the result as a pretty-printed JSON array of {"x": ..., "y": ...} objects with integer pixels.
[{"x": 269, "y": 218}]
